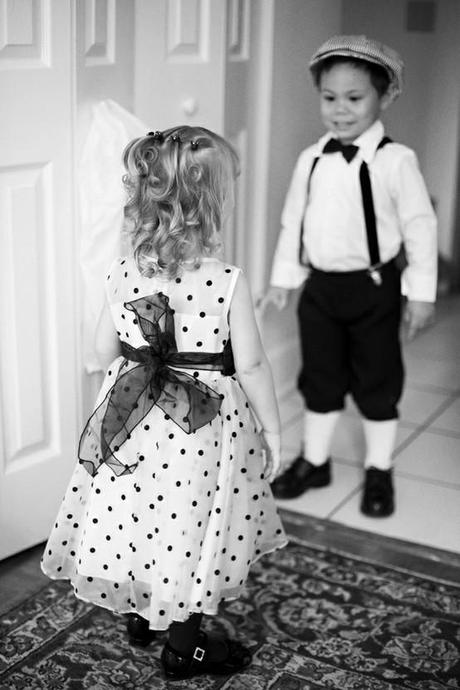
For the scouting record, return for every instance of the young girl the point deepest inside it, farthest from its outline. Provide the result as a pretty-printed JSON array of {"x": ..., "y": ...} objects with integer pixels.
[{"x": 170, "y": 503}]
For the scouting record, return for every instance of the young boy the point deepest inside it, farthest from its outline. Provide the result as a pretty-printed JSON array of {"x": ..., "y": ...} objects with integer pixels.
[{"x": 354, "y": 199}]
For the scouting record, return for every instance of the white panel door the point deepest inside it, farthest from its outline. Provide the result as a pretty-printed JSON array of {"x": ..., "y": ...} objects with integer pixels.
[
  {"x": 198, "y": 63},
  {"x": 39, "y": 391},
  {"x": 180, "y": 62}
]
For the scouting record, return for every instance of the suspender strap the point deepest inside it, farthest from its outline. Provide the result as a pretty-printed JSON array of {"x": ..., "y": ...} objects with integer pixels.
[
  {"x": 307, "y": 196},
  {"x": 382, "y": 142},
  {"x": 369, "y": 211},
  {"x": 369, "y": 215},
  {"x": 368, "y": 207}
]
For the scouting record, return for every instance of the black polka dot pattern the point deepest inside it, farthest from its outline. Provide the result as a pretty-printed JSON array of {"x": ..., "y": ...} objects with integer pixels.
[{"x": 196, "y": 509}]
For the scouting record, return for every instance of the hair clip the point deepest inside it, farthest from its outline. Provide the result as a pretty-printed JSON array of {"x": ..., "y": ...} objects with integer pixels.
[
  {"x": 157, "y": 136},
  {"x": 194, "y": 144}
]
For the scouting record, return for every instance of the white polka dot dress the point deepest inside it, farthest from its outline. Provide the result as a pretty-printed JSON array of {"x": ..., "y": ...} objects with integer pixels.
[{"x": 179, "y": 533}]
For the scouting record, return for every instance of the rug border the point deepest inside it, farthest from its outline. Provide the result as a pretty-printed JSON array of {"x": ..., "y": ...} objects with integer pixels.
[{"x": 373, "y": 562}]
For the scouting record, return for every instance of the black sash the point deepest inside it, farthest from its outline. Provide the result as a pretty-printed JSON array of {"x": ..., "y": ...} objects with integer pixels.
[{"x": 185, "y": 399}]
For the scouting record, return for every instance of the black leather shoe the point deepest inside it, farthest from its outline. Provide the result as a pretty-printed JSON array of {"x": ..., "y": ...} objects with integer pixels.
[
  {"x": 178, "y": 667},
  {"x": 300, "y": 477},
  {"x": 138, "y": 629},
  {"x": 378, "y": 493}
]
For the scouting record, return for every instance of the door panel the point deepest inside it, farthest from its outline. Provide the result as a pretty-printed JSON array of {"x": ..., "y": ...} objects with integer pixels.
[
  {"x": 180, "y": 55},
  {"x": 39, "y": 390},
  {"x": 104, "y": 57}
]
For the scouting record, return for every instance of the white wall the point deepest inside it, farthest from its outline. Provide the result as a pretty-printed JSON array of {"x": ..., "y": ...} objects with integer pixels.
[
  {"x": 300, "y": 26},
  {"x": 426, "y": 116},
  {"x": 443, "y": 120}
]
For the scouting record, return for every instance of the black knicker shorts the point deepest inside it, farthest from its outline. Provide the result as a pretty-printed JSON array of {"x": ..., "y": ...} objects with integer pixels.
[{"x": 349, "y": 333}]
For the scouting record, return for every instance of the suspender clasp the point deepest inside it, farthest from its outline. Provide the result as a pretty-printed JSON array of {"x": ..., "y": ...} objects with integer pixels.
[{"x": 374, "y": 272}]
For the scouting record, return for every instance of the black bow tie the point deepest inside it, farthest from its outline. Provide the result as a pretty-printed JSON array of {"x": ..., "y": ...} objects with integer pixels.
[{"x": 348, "y": 151}]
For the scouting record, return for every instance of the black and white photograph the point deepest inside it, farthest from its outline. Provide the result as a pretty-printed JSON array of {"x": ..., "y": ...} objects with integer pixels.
[{"x": 230, "y": 344}]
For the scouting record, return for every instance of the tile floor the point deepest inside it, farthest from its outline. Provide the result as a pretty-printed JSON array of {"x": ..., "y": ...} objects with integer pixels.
[{"x": 427, "y": 454}]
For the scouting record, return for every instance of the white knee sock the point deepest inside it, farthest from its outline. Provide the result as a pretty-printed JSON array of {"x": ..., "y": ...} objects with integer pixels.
[
  {"x": 318, "y": 430},
  {"x": 380, "y": 442}
]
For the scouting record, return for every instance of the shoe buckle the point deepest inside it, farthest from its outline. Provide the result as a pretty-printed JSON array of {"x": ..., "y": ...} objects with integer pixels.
[{"x": 198, "y": 654}]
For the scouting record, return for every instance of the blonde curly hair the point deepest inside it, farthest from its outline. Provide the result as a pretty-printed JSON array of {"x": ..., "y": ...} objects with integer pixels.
[{"x": 178, "y": 183}]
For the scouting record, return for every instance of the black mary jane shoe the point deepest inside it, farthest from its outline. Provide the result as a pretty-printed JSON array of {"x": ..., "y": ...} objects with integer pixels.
[
  {"x": 378, "y": 495},
  {"x": 138, "y": 629},
  {"x": 178, "y": 667}
]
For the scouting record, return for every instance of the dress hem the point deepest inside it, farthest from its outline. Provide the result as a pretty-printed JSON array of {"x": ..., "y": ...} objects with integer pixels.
[{"x": 189, "y": 611}]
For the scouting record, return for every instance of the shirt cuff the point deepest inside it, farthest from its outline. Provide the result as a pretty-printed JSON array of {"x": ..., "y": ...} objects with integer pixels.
[
  {"x": 286, "y": 274},
  {"x": 418, "y": 288}
]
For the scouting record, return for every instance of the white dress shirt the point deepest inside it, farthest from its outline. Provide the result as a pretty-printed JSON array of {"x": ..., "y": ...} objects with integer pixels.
[{"x": 334, "y": 237}]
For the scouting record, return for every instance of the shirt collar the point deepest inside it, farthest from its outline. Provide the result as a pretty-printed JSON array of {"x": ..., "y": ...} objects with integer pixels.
[
  {"x": 367, "y": 141},
  {"x": 321, "y": 143}
]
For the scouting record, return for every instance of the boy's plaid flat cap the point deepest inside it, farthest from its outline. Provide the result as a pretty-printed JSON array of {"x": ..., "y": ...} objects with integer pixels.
[{"x": 363, "y": 48}]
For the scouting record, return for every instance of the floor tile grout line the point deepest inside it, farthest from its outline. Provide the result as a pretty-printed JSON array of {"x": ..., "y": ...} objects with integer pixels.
[
  {"x": 405, "y": 475},
  {"x": 417, "y": 354},
  {"x": 293, "y": 420},
  {"x": 430, "y": 388},
  {"x": 425, "y": 424},
  {"x": 440, "y": 431},
  {"x": 428, "y": 480},
  {"x": 344, "y": 500},
  {"x": 451, "y": 395},
  {"x": 417, "y": 478},
  {"x": 417, "y": 430},
  {"x": 401, "y": 473}
]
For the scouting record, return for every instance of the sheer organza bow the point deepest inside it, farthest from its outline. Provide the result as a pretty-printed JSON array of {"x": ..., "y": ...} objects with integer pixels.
[{"x": 189, "y": 402}]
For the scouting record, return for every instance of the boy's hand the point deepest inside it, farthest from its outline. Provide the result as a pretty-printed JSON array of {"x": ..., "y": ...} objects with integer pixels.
[
  {"x": 418, "y": 315},
  {"x": 275, "y": 295},
  {"x": 271, "y": 444}
]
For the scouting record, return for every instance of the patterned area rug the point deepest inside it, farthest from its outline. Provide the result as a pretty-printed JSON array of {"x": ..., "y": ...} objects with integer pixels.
[{"x": 314, "y": 618}]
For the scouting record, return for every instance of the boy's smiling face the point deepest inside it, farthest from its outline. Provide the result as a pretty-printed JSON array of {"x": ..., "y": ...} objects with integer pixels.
[{"x": 350, "y": 103}]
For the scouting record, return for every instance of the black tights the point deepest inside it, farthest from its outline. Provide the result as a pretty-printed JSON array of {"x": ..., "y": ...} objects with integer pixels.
[{"x": 183, "y": 637}]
